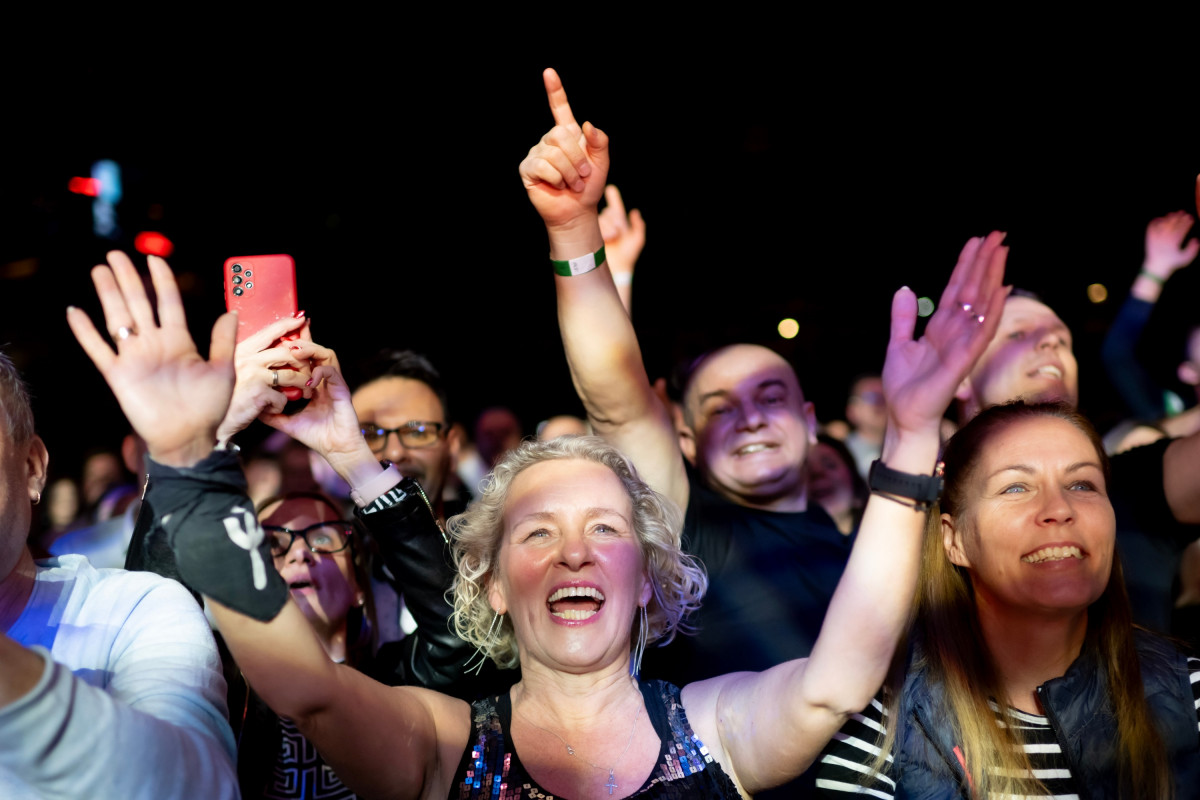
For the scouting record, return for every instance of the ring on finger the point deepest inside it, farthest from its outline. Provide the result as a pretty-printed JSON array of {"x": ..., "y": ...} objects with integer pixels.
[
  {"x": 980, "y": 319},
  {"x": 274, "y": 379},
  {"x": 125, "y": 331},
  {"x": 967, "y": 307}
]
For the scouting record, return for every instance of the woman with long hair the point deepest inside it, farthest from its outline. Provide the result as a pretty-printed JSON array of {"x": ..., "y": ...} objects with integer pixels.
[{"x": 1026, "y": 676}]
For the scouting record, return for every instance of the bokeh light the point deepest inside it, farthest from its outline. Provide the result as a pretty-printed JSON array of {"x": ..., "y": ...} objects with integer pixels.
[
  {"x": 924, "y": 307},
  {"x": 788, "y": 328},
  {"x": 1097, "y": 293}
]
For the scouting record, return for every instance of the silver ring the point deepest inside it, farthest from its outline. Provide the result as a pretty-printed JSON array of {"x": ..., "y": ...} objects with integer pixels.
[
  {"x": 274, "y": 379},
  {"x": 124, "y": 332},
  {"x": 967, "y": 307},
  {"x": 980, "y": 319}
]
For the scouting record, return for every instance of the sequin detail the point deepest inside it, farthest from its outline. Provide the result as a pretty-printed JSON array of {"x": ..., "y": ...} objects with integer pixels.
[{"x": 490, "y": 770}]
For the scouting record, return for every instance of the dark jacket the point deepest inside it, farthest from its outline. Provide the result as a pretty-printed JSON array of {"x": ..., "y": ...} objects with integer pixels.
[{"x": 1080, "y": 711}]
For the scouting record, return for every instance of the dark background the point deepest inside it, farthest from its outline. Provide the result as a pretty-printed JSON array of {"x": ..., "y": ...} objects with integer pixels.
[{"x": 776, "y": 182}]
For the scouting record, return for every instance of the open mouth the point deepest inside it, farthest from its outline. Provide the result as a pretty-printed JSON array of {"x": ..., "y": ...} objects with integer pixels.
[
  {"x": 756, "y": 447},
  {"x": 1052, "y": 554},
  {"x": 575, "y": 603},
  {"x": 298, "y": 585},
  {"x": 1048, "y": 371}
]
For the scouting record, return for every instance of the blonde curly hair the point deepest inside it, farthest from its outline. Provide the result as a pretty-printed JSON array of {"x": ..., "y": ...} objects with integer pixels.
[{"x": 678, "y": 580}]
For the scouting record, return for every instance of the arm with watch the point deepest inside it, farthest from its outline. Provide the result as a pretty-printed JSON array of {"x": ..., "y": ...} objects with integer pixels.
[{"x": 869, "y": 611}]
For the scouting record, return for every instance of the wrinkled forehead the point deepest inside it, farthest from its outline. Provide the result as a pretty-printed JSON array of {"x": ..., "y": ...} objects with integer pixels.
[
  {"x": 737, "y": 370},
  {"x": 1025, "y": 310},
  {"x": 394, "y": 400},
  {"x": 298, "y": 512}
]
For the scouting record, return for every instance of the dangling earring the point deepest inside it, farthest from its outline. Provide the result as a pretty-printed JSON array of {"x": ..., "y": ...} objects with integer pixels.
[
  {"x": 38, "y": 498},
  {"x": 635, "y": 667},
  {"x": 493, "y": 631}
]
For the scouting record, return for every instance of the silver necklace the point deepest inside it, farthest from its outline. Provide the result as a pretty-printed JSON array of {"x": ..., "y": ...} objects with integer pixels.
[{"x": 612, "y": 783}]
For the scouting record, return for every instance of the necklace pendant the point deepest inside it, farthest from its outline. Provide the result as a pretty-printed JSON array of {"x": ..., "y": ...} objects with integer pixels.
[
  {"x": 570, "y": 750},
  {"x": 612, "y": 784}
]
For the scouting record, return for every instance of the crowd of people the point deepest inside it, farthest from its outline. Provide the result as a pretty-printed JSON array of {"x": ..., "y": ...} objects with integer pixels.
[{"x": 958, "y": 590}]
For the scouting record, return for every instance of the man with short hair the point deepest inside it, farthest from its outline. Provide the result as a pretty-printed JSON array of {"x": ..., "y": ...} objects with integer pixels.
[
  {"x": 110, "y": 683},
  {"x": 402, "y": 407}
]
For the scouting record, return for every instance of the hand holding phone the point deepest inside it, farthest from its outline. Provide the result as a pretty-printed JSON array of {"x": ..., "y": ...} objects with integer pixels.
[{"x": 262, "y": 289}]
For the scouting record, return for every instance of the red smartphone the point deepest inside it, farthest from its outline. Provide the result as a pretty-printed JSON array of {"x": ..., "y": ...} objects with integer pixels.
[{"x": 262, "y": 289}]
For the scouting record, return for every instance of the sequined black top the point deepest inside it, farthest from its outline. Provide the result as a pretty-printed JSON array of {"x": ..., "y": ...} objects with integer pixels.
[{"x": 491, "y": 770}]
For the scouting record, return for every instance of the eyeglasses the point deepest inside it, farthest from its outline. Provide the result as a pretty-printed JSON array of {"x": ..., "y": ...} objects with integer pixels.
[
  {"x": 325, "y": 538},
  {"x": 412, "y": 434}
]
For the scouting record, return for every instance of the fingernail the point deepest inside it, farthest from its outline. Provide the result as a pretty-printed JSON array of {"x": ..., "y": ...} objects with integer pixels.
[
  {"x": 585, "y": 169},
  {"x": 70, "y": 309},
  {"x": 300, "y": 313},
  {"x": 308, "y": 382},
  {"x": 577, "y": 186},
  {"x": 295, "y": 347}
]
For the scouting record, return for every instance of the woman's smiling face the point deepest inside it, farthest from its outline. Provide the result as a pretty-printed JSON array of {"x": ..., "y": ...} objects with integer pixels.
[
  {"x": 570, "y": 572},
  {"x": 1039, "y": 531}
]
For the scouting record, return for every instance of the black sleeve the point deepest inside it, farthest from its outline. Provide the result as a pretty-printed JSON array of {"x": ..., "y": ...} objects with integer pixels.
[
  {"x": 417, "y": 554},
  {"x": 216, "y": 546},
  {"x": 148, "y": 549},
  {"x": 1140, "y": 500},
  {"x": 1119, "y": 351}
]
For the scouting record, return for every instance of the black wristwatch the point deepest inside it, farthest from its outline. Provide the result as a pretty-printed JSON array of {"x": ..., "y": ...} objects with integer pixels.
[{"x": 923, "y": 490}]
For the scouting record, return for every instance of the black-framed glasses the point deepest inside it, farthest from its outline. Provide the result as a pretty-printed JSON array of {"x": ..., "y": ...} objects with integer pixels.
[
  {"x": 412, "y": 434},
  {"x": 325, "y": 538}
]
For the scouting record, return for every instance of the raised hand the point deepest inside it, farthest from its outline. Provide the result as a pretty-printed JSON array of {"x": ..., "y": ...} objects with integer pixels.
[
  {"x": 171, "y": 396},
  {"x": 263, "y": 371},
  {"x": 564, "y": 173},
  {"x": 920, "y": 376},
  {"x": 624, "y": 235},
  {"x": 1165, "y": 248},
  {"x": 328, "y": 423}
]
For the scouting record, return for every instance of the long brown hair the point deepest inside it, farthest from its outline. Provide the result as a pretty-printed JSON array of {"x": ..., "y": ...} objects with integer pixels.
[{"x": 953, "y": 653}]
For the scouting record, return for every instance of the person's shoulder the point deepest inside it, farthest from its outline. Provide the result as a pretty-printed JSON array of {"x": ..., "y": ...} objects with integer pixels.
[{"x": 101, "y": 582}]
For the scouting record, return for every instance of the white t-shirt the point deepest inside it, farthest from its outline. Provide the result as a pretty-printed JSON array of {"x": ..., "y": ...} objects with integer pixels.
[{"x": 131, "y": 703}]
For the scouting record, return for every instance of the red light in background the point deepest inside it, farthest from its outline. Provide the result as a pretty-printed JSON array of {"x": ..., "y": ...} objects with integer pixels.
[
  {"x": 88, "y": 186},
  {"x": 153, "y": 244}
]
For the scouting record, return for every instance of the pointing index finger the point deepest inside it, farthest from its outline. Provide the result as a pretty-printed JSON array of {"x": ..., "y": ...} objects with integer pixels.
[{"x": 557, "y": 96}]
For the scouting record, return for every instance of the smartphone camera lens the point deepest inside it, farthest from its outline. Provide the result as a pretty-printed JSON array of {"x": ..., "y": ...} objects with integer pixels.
[
  {"x": 238, "y": 292},
  {"x": 248, "y": 273},
  {"x": 249, "y": 285},
  {"x": 237, "y": 279},
  {"x": 236, "y": 267}
]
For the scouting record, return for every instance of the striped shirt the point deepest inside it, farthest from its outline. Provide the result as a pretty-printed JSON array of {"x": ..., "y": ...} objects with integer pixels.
[{"x": 846, "y": 763}]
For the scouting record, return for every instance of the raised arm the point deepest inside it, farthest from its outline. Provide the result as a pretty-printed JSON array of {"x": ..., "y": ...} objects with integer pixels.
[
  {"x": 564, "y": 175},
  {"x": 624, "y": 237},
  {"x": 1166, "y": 253},
  {"x": 771, "y": 725},
  {"x": 382, "y": 742}
]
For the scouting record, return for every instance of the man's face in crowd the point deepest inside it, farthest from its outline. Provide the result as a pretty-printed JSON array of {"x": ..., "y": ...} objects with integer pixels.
[
  {"x": 749, "y": 428},
  {"x": 1030, "y": 358},
  {"x": 392, "y": 402}
]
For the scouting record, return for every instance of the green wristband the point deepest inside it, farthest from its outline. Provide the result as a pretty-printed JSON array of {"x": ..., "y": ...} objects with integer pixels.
[
  {"x": 1143, "y": 273},
  {"x": 578, "y": 266}
]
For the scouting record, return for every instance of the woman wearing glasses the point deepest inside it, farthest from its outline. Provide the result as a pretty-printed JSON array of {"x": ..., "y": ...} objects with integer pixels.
[{"x": 322, "y": 557}]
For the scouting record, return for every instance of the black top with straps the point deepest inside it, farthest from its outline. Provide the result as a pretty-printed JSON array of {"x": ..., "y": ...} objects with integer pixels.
[{"x": 491, "y": 769}]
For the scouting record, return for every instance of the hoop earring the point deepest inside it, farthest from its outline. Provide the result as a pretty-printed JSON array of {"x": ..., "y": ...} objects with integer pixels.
[
  {"x": 37, "y": 499},
  {"x": 635, "y": 667},
  {"x": 488, "y": 642}
]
